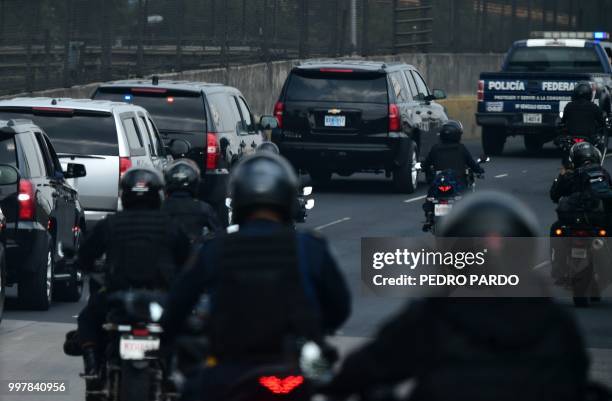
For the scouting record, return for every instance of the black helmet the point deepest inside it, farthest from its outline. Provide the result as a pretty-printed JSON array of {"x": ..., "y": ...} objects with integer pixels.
[
  {"x": 490, "y": 213},
  {"x": 451, "y": 131},
  {"x": 268, "y": 147},
  {"x": 182, "y": 175},
  {"x": 263, "y": 180},
  {"x": 584, "y": 152},
  {"x": 583, "y": 91},
  {"x": 141, "y": 188}
]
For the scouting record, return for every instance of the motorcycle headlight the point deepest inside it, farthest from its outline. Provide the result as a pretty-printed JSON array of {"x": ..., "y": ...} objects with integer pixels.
[
  {"x": 155, "y": 311},
  {"x": 307, "y": 191},
  {"x": 310, "y": 204}
]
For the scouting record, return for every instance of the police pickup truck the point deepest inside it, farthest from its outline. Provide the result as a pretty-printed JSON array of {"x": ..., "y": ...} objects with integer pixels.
[{"x": 528, "y": 96}]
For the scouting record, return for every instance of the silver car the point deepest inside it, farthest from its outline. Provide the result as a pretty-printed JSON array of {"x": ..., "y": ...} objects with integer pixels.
[{"x": 107, "y": 137}]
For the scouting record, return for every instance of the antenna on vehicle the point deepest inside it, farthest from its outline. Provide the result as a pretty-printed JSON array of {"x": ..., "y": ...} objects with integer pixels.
[
  {"x": 155, "y": 80},
  {"x": 54, "y": 102}
]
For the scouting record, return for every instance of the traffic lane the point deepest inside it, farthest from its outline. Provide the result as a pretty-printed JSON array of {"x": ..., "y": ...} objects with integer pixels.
[{"x": 376, "y": 211}]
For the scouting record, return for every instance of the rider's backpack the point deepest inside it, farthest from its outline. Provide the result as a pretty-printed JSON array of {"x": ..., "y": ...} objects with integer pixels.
[{"x": 594, "y": 182}]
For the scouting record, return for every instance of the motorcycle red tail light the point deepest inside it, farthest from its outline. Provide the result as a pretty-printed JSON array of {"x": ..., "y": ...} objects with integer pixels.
[
  {"x": 279, "y": 385},
  {"x": 140, "y": 332},
  {"x": 444, "y": 188},
  {"x": 579, "y": 140}
]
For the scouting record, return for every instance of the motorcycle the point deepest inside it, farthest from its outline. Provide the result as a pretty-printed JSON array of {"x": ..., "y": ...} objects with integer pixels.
[
  {"x": 579, "y": 251},
  {"x": 446, "y": 192},
  {"x": 130, "y": 369},
  {"x": 304, "y": 204},
  {"x": 566, "y": 140}
]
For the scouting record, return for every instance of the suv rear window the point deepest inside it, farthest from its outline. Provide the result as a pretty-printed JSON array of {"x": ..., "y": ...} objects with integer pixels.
[
  {"x": 8, "y": 154},
  {"x": 554, "y": 59},
  {"x": 171, "y": 110},
  {"x": 81, "y": 134},
  {"x": 337, "y": 87}
]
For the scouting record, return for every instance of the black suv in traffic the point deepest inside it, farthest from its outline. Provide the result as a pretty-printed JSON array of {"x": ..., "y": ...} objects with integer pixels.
[
  {"x": 44, "y": 219},
  {"x": 353, "y": 116},
  {"x": 214, "y": 121}
]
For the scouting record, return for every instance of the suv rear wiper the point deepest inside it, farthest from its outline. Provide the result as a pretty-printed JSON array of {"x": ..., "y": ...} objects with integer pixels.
[{"x": 73, "y": 156}]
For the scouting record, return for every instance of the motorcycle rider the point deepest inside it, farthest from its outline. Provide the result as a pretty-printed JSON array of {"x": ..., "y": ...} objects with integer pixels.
[
  {"x": 268, "y": 283},
  {"x": 475, "y": 348},
  {"x": 448, "y": 154},
  {"x": 182, "y": 184},
  {"x": 583, "y": 117},
  {"x": 144, "y": 249}
]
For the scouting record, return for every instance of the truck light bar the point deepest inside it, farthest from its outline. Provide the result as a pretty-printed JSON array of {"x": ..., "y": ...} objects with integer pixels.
[{"x": 570, "y": 35}]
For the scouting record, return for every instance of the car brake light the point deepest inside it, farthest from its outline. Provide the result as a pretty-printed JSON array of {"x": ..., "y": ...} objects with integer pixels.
[
  {"x": 149, "y": 90},
  {"x": 25, "y": 198},
  {"x": 579, "y": 140},
  {"x": 341, "y": 70},
  {"x": 53, "y": 110},
  {"x": 279, "y": 108},
  {"x": 445, "y": 188},
  {"x": 394, "y": 118},
  {"x": 124, "y": 165},
  {"x": 481, "y": 85},
  {"x": 213, "y": 151},
  {"x": 281, "y": 386},
  {"x": 140, "y": 332}
]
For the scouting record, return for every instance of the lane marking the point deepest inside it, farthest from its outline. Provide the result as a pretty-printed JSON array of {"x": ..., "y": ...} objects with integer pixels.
[
  {"x": 524, "y": 171},
  {"x": 501, "y": 176},
  {"x": 541, "y": 265},
  {"x": 418, "y": 198},
  {"x": 342, "y": 220}
]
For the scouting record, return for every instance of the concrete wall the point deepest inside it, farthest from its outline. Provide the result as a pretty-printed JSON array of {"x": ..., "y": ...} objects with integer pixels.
[{"x": 261, "y": 83}]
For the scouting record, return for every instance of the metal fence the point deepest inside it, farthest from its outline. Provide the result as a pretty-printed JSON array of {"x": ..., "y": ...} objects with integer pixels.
[{"x": 55, "y": 43}]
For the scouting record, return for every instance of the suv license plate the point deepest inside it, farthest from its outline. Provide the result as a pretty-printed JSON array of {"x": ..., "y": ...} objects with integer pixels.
[
  {"x": 335, "y": 121},
  {"x": 442, "y": 209},
  {"x": 131, "y": 348},
  {"x": 532, "y": 118},
  {"x": 579, "y": 253}
]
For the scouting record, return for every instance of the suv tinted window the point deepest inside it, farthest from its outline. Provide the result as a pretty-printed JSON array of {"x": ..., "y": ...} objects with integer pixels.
[
  {"x": 154, "y": 148},
  {"x": 246, "y": 114},
  {"x": 555, "y": 59},
  {"x": 413, "y": 89},
  {"x": 421, "y": 86},
  {"x": 132, "y": 133},
  {"x": 224, "y": 111},
  {"x": 33, "y": 159},
  {"x": 8, "y": 154},
  {"x": 399, "y": 87},
  {"x": 172, "y": 110},
  {"x": 79, "y": 133},
  {"x": 347, "y": 87}
]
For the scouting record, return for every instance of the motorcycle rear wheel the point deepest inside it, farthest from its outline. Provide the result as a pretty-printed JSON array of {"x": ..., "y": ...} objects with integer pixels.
[{"x": 135, "y": 383}]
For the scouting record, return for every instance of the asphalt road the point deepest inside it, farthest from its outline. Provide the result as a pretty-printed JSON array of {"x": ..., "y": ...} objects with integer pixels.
[{"x": 346, "y": 211}]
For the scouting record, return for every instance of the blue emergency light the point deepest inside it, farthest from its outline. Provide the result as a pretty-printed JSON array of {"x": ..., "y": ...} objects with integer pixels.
[
  {"x": 600, "y": 35},
  {"x": 128, "y": 97}
]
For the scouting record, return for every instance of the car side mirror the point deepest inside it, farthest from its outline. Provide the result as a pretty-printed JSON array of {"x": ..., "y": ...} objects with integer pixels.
[
  {"x": 268, "y": 122},
  {"x": 9, "y": 175},
  {"x": 75, "y": 170},
  {"x": 178, "y": 148},
  {"x": 439, "y": 94}
]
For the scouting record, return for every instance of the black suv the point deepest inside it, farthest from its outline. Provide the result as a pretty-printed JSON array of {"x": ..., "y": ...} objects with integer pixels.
[
  {"x": 350, "y": 116},
  {"x": 44, "y": 219},
  {"x": 213, "y": 120}
]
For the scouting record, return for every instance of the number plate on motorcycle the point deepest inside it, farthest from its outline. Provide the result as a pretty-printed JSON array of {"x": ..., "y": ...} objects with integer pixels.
[
  {"x": 335, "y": 121},
  {"x": 442, "y": 210},
  {"x": 131, "y": 348},
  {"x": 532, "y": 118},
  {"x": 579, "y": 253}
]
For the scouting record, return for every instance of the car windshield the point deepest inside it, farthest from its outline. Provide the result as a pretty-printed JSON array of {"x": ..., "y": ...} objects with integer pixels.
[
  {"x": 338, "y": 87},
  {"x": 171, "y": 111},
  {"x": 555, "y": 59},
  {"x": 75, "y": 133}
]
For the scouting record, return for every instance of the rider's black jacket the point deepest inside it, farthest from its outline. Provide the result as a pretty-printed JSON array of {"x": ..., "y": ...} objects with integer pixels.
[
  {"x": 192, "y": 214},
  {"x": 473, "y": 350},
  {"x": 583, "y": 117},
  {"x": 238, "y": 303},
  {"x": 453, "y": 156},
  {"x": 144, "y": 249},
  {"x": 571, "y": 182}
]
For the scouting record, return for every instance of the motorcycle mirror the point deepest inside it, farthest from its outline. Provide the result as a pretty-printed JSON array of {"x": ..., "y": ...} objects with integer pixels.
[
  {"x": 228, "y": 202},
  {"x": 417, "y": 166},
  {"x": 155, "y": 311},
  {"x": 306, "y": 191},
  {"x": 309, "y": 204}
]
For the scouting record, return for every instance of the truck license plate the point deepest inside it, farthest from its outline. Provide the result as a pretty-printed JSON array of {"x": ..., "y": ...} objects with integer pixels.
[
  {"x": 442, "y": 209},
  {"x": 579, "y": 253},
  {"x": 532, "y": 118},
  {"x": 335, "y": 121},
  {"x": 131, "y": 348}
]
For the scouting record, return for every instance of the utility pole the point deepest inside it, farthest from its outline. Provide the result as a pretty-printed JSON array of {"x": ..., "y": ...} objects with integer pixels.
[{"x": 353, "y": 26}]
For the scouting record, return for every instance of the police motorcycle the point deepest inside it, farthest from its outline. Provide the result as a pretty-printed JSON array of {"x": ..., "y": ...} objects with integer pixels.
[
  {"x": 445, "y": 191},
  {"x": 131, "y": 370},
  {"x": 565, "y": 140}
]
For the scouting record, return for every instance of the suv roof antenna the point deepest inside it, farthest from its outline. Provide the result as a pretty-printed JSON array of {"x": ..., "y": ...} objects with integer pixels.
[
  {"x": 54, "y": 102},
  {"x": 155, "y": 80}
]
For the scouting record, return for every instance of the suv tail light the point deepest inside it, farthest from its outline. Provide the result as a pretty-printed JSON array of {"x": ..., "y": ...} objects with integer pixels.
[
  {"x": 279, "y": 108},
  {"x": 213, "y": 151},
  {"x": 25, "y": 198},
  {"x": 278, "y": 385},
  {"x": 394, "y": 118},
  {"x": 124, "y": 165},
  {"x": 481, "y": 85}
]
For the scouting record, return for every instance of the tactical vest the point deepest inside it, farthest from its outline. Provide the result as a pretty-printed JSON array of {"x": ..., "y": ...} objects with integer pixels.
[{"x": 260, "y": 303}]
